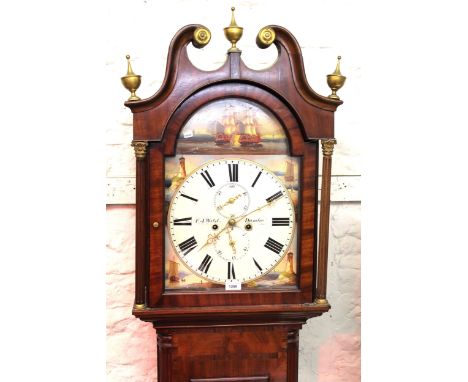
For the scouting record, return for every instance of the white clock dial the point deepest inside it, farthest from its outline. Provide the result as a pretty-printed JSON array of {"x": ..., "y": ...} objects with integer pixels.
[{"x": 231, "y": 219}]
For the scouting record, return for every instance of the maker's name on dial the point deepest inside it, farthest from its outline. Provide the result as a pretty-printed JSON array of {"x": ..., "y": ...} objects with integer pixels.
[{"x": 206, "y": 220}]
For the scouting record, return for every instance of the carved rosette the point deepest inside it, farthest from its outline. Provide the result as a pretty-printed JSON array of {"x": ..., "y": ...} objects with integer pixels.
[
  {"x": 266, "y": 37},
  {"x": 140, "y": 149},
  {"x": 327, "y": 146},
  {"x": 201, "y": 37}
]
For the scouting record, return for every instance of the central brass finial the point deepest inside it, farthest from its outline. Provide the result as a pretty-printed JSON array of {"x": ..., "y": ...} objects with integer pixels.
[{"x": 233, "y": 33}]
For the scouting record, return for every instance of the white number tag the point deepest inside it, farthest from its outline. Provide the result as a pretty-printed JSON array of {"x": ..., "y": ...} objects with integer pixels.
[{"x": 233, "y": 285}]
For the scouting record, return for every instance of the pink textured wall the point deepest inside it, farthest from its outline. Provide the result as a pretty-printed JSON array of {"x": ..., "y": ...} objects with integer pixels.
[
  {"x": 131, "y": 343},
  {"x": 339, "y": 359}
]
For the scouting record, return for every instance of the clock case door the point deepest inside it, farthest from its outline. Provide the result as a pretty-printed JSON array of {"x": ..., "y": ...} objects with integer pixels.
[
  {"x": 306, "y": 118},
  {"x": 306, "y": 220}
]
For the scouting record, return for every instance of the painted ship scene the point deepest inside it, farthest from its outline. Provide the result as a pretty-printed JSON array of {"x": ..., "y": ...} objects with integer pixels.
[
  {"x": 237, "y": 132},
  {"x": 232, "y": 126}
]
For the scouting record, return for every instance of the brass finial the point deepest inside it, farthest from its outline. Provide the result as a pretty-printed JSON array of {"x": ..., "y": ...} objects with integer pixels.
[
  {"x": 131, "y": 81},
  {"x": 233, "y": 33},
  {"x": 335, "y": 80}
]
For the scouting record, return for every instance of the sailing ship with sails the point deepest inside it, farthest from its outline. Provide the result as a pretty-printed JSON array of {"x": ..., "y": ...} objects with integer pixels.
[
  {"x": 249, "y": 135},
  {"x": 224, "y": 130},
  {"x": 237, "y": 132}
]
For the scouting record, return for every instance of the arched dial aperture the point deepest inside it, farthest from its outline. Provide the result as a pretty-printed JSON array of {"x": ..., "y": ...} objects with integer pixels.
[{"x": 231, "y": 219}]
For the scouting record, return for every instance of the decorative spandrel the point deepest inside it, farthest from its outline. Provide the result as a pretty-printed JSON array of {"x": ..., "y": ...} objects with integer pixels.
[
  {"x": 245, "y": 135},
  {"x": 232, "y": 126}
]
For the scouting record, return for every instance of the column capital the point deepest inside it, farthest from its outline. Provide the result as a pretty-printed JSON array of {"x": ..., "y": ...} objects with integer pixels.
[
  {"x": 140, "y": 149},
  {"x": 327, "y": 146}
]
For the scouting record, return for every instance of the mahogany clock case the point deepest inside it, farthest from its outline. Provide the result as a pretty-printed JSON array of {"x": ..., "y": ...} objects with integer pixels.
[{"x": 306, "y": 118}]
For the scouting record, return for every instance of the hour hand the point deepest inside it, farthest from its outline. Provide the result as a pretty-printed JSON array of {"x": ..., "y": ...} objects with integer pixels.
[
  {"x": 213, "y": 238},
  {"x": 229, "y": 201}
]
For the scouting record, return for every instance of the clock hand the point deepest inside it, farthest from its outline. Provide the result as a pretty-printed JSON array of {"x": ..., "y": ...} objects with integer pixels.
[
  {"x": 213, "y": 238},
  {"x": 257, "y": 209},
  {"x": 229, "y": 201},
  {"x": 232, "y": 243},
  {"x": 232, "y": 222}
]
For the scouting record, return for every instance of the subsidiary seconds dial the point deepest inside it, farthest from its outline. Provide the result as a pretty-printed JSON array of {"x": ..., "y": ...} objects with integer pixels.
[{"x": 231, "y": 219}]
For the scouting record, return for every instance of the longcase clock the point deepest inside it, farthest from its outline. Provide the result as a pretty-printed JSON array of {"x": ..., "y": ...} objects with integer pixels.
[{"x": 229, "y": 261}]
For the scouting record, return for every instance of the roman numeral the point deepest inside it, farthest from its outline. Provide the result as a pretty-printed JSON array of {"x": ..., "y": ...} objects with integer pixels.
[
  {"x": 273, "y": 245},
  {"x": 255, "y": 181},
  {"x": 233, "y": 172},
  {"x": 188, "y": 245},
  {"x": 207, "y": 177},
  {"x": 279, "y": 194},
  {"x": 189, "y": 197},
  {"x": 279, "y": 221},
  {"x": 205, "y": 264},
  {"x": 183, "y": 221},
  {"x": 256, "y": 264},
  {"x": 231, "y": 271}
]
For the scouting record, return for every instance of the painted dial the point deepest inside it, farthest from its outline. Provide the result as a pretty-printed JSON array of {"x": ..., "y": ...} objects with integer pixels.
[{"x": 231, "y": 219}]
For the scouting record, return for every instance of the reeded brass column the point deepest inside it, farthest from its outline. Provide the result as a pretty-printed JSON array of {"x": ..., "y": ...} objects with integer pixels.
[
  {"x": 321, "y": 291},
  {"x": 140, "y": 154}
]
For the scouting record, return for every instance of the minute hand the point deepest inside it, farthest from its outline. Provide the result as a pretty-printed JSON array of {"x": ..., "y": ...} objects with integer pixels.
[{"x": 257, "y": 209}]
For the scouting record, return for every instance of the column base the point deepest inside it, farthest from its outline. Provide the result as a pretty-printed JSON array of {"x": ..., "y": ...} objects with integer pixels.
[{"x": 321, "y": 301}]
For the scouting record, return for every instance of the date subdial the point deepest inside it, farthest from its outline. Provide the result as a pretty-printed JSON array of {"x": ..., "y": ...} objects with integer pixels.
[
  {"x": 233, "y": 245},
  {"x": 232, "y": 200}
]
